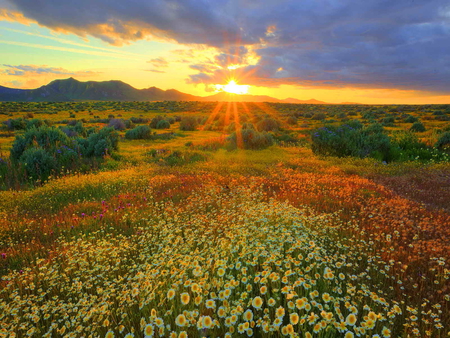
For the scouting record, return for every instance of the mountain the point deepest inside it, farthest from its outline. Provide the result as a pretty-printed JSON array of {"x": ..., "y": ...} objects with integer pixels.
[{"x": 74, "y": 90}]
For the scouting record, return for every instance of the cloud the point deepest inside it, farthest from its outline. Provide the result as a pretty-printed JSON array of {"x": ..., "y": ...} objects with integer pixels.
[
  {"x": 159, "y": 62},
  {"x": 8, "y": 15},
  {"x": 33, "y": 70},
  {"x": 154, "y": 70},
  {"x": 399, "y": 44}
]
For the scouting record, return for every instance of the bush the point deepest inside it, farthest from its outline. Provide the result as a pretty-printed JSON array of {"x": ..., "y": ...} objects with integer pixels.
[
  {"x": 346, "y": 140},
  {"x": 16, "y": 124},
  {"x": 138, "y": 133},
  {"x": 249, "y": 139},
  {"x": 291, "y": 120},
  {"x": 319, "y": 116},
  {"x": 155, "y": 121},
  {"x": 47, "y": 138},
  {"x": 268, "y": 124},
  {"x": 100, "y": 144},
  {"x": 443, "y": 141},
  {"x": 417, "y": 127},
  {"x": 117, "y": 124},
  {"x": 139, "y": 120},
  {"x": 188, "y": 123},
  {"x": 411, "y": 119},
  {"x": 38, "y": 163},
  {"x": 34, "y": 123},
  {"x": 163, "y": 124}
]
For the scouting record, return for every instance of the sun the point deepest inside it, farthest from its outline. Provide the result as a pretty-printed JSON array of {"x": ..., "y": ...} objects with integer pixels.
[{"x": 233, "y": 88}]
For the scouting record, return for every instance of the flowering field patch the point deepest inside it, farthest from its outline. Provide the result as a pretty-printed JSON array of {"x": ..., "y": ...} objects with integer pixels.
[
  {"x": 230, "y": 258},
  {"x": 275, "y": 242}
]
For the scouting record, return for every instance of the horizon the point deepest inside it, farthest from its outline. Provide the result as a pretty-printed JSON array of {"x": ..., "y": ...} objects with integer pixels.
[
  {"x": 327, "y": 51},
  {"x": 231, "y": 94}
]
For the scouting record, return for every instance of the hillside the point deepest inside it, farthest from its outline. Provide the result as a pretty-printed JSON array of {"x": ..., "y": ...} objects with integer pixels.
[{"x": 73, "y": 90}]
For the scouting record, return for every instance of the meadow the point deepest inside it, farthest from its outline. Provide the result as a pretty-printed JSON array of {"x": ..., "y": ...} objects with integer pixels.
[{"x": 226, "y": 220}]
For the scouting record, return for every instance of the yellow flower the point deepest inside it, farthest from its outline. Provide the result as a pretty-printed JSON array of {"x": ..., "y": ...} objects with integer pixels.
[
  {"x": 257, "y": 302},
  {"x": 351, "y": 319},
  {"x": 386, "y": 332},
  {"x": 248, "y": 315},
  {"x": 349, "y": 334},
  {"x": 294, "y": 318},
  {"x": 183, "y": 334},
  {"x": 280, "y": 312},
  {"x": 207, "y": 322},
  {"x": 181, "y": 320},
  {"x": 170, "y": 293},
  {"x": 109, "y": 334},
  {"x": 185, "y": 298},
  {"x": 149, "y": 331}
]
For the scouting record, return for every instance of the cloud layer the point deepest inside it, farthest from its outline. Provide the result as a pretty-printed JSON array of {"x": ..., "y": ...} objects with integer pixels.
[
  {"x": 400, "y": 44},
  {"x": 33, "y": 70}
]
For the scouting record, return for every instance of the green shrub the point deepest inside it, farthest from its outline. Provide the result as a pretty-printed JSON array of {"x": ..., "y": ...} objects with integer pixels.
[
  {"x": 319, "y": 116},
  {"x": 16, "y": 124},
  {"x": 139, "y": 133},
  {"x": 249, "y": 139},
  {"x": 34, "y": 123},
  {"x": 117, "y": 124},
  {"x": 443, "y": 141},
  {"x": 188, "y": 123},
  {"x": 155, "y": 120},
  {"x": 47, "y": 138},
  {"x": 411, "y": 119},
  {"x": 346, "y": 140},
  {"x": 38, "y": 163},
  {"x": 100, "y": 144},
  {"x": 268, "y": 124},
  {"x": 139, "y": 120},
  {"x": 291, "y": 120},
  {"x": 163, "y": 124},
  {"x": 417, "y": 127}
]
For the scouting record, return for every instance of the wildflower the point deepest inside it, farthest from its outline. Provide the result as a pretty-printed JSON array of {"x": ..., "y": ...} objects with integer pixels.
[
  {"x": 351, "y": 319},
  {"x": 185, "y": 298},
  {"x": 349, "y": 334},
  {"x": 109, "y": 334},
  {"x": 280, "y": 312},
  {"x": 257, "y": 302},
  {"x": 210, "y": 304},
  {"x": 248, "y": 315},
  {"x": 207, "y": 322},
  {"x": 181, "y": 320},
  {"x": 386, "y": 332},
  {"x": 170, "y": 293},
  {"x": 294, "y": 318},
  {"x": 149, "y": 331}
]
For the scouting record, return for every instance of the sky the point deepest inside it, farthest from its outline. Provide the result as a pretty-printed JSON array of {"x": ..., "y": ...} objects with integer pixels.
[{"x": 371, "y": 51}]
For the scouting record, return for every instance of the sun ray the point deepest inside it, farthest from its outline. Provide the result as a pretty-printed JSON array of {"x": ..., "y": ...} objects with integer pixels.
[
  {"x": 237, "y": 124},
  {"x": 213, "y": 115}
]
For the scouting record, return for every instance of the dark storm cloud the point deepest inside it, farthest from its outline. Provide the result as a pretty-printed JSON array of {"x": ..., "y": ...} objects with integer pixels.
[{"x": 369, "y": 44}]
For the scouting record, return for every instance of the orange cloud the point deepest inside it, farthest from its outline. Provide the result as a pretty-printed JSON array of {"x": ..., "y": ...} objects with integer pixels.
[{"x": 7, "y": 15}]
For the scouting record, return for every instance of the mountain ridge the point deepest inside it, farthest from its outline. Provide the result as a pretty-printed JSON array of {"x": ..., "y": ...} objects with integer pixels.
[{"x": 66, "y": 90}]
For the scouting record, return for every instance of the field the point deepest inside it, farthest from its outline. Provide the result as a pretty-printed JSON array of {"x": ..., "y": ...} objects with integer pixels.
[{"x": 191, "y": 232}]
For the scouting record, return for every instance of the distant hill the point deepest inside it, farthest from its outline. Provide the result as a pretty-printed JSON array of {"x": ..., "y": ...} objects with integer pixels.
[{"x": 74, "y": 90}]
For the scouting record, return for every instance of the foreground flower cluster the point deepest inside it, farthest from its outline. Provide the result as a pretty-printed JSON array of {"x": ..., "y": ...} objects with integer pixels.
[{"x": 228, "y": 262}]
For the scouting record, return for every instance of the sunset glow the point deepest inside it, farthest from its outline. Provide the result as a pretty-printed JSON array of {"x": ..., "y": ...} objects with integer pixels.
[
  {"x": 196, "y": 48},
  {"x": 233, "y": 88}
]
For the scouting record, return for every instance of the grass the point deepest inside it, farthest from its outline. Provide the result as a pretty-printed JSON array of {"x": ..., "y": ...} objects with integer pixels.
[{"x": 268, "y": 243}]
